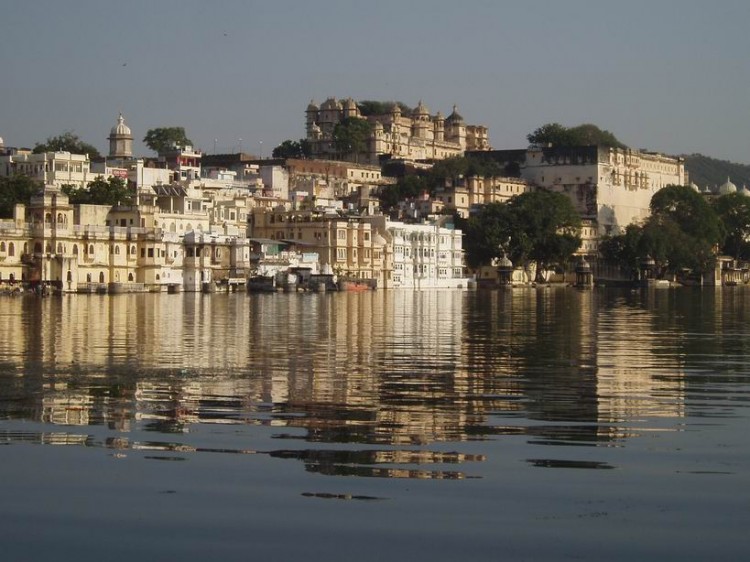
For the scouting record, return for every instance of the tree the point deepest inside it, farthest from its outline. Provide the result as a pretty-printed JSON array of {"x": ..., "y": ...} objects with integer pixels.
[
  {"x": 16, "y": 189},
  {"x": 683, "y": 231},
  {"x": 293, "y": 149},
  {"x": 548, "y": 229},
  {"x": 540, "y": 226},
  {"x": 66, "y": 142},
  {"x": 112, "y": 191},
  {"x": 351, "y": 136},
  {"x": 555, "y": 134},
  {"x": 733, "y": 210},
  {"x": 164, "y": 139},
  {"x": 625, "y": 249}
]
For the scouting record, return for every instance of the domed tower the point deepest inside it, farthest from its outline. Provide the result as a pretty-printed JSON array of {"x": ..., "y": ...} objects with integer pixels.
[
  {"x": 421, "y": 121},
  {"x": 120, "y": 140},
  {"x": 439, "y": 125},
  {"x": 350, "y": 109},
  {"x": 455, "y": 129}
]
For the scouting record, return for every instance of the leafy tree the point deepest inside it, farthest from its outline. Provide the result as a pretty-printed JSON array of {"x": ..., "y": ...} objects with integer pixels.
[
  {"x": 293, "y": 149},
  {"x": 551, "y": 133},
  {"x": 351, "y": 136},
  {"x": 549, "y": 226},
  {"x": 555, "y": 134},
  {"x": 683, "y": 231},
  {"x": 625, "y": 249},
  {"x": 16, "y": 189},
  {"x": 733, "y": 210},
  {"x": 407, "y": 187},
  {"x": 372, "y": 107},
  {"x": 66, "y": 142},
  {"x": 112, "y": 191},
  {"x": 164, "y": 139},
  {"x": 539, "y": 226}
]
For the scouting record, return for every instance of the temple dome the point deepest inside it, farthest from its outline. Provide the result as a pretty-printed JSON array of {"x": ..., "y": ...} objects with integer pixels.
[
  {"x": 120, "y": 129},
  {"x": 727, "y": 188},
  {"x": 311, "y": 106}
]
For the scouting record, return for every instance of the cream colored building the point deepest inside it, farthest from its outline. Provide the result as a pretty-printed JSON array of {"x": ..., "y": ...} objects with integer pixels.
[
  {"x": 49, "y": 168},
  {"x": 474, "y": 191},
  {"x": 416, "y": 136},
  {"x": 611, "y": 186},
  {"x": 344, "y": 243}
]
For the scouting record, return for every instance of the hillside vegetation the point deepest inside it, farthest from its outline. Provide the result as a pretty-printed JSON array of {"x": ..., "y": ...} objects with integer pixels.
[{"x": 705, "y": 171}]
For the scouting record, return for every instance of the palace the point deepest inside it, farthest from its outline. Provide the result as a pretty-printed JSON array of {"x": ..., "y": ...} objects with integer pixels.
[{"x": 417, "y": 135}]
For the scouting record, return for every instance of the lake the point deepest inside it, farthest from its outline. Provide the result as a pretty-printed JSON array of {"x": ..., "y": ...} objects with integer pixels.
[{"x": 517, "y": 424}]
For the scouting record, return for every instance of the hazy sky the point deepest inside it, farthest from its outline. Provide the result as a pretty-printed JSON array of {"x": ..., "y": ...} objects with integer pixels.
[{"x": 669, "y": 75}]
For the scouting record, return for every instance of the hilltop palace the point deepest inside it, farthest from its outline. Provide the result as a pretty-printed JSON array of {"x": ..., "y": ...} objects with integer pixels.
[{"x": 415, "y": 136}]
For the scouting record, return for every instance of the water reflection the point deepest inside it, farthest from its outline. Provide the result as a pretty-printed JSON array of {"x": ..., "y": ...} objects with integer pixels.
[{"x": 387, "y": 375}]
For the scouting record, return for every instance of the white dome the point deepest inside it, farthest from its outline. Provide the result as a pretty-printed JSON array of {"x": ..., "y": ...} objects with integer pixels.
[
  {"x": 121, "y": 129},
  {"x": 726, "y": 188}
]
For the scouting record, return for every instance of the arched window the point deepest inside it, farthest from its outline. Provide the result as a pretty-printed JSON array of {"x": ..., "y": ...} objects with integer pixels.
[
  {"x": 130, "y": 277},
  {"x": 157, "y": 277},
  {"x": 2, "y": 246},
  {"x": 70, "y": 276},
  {"x": 48, "y": 248},
  {"x": 12, "y": 278},
  {"x": 59, "y": 248},
  {"x": 48, "y": 218},
  {"x": 59, "y": 218},
  {"x": 88, "y": 278},
  {"x": 101, "y": 277},
  {"x": 75, "y": 249},
  {"x": 91, "y": 248},
  {"x": 117, "y": 250},
  {"x": 132, "y": 250},
  {"x": 11, "y": 249},
  {"x": 38, "y": 248}
]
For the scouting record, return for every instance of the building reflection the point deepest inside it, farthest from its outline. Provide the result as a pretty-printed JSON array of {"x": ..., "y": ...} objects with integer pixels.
[{"x": 406, "y": 369}]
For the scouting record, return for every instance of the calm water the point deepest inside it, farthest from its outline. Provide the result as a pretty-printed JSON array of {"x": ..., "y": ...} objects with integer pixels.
[{"x": 446, "y": 425}]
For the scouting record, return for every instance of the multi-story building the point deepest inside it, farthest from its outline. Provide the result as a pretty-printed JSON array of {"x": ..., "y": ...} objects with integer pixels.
[
  {"x": 467, "y": 194},
  {"x": 415, "y": 136},
  {"x": 420, "y": 256},
  {"x": 611, "y": 186},
  {"x": 49, "y": 168},
  {"x": 344, "y": 243}
]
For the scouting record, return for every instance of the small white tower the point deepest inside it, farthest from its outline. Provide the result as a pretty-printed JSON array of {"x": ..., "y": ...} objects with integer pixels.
[{"x": 120, "y": 140}]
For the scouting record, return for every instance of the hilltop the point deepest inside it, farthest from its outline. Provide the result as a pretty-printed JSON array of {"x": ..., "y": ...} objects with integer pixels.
[{"x": 707, "y": 171}]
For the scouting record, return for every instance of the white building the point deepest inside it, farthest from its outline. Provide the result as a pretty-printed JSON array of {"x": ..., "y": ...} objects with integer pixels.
[{"x": 421, "y": 256}]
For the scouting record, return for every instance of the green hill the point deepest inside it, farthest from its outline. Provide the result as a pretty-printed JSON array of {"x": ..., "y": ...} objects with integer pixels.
[{"x": 705, "y": 171}]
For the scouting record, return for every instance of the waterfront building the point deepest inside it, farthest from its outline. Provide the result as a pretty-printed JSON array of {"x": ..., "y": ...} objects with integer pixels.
[
  {"x": 421, "y": 255},
  {"x": 343, "y": 242},
  {"x": 417, "y": 135},
  {"x": 611, "y": 186}
]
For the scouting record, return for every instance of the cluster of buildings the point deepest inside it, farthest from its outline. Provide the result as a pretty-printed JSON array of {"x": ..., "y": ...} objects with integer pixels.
[{"x": 202, "y": 221}]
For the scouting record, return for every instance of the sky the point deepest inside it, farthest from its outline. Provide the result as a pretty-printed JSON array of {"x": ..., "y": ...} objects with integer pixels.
[{"x": 666, "y": 75}]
